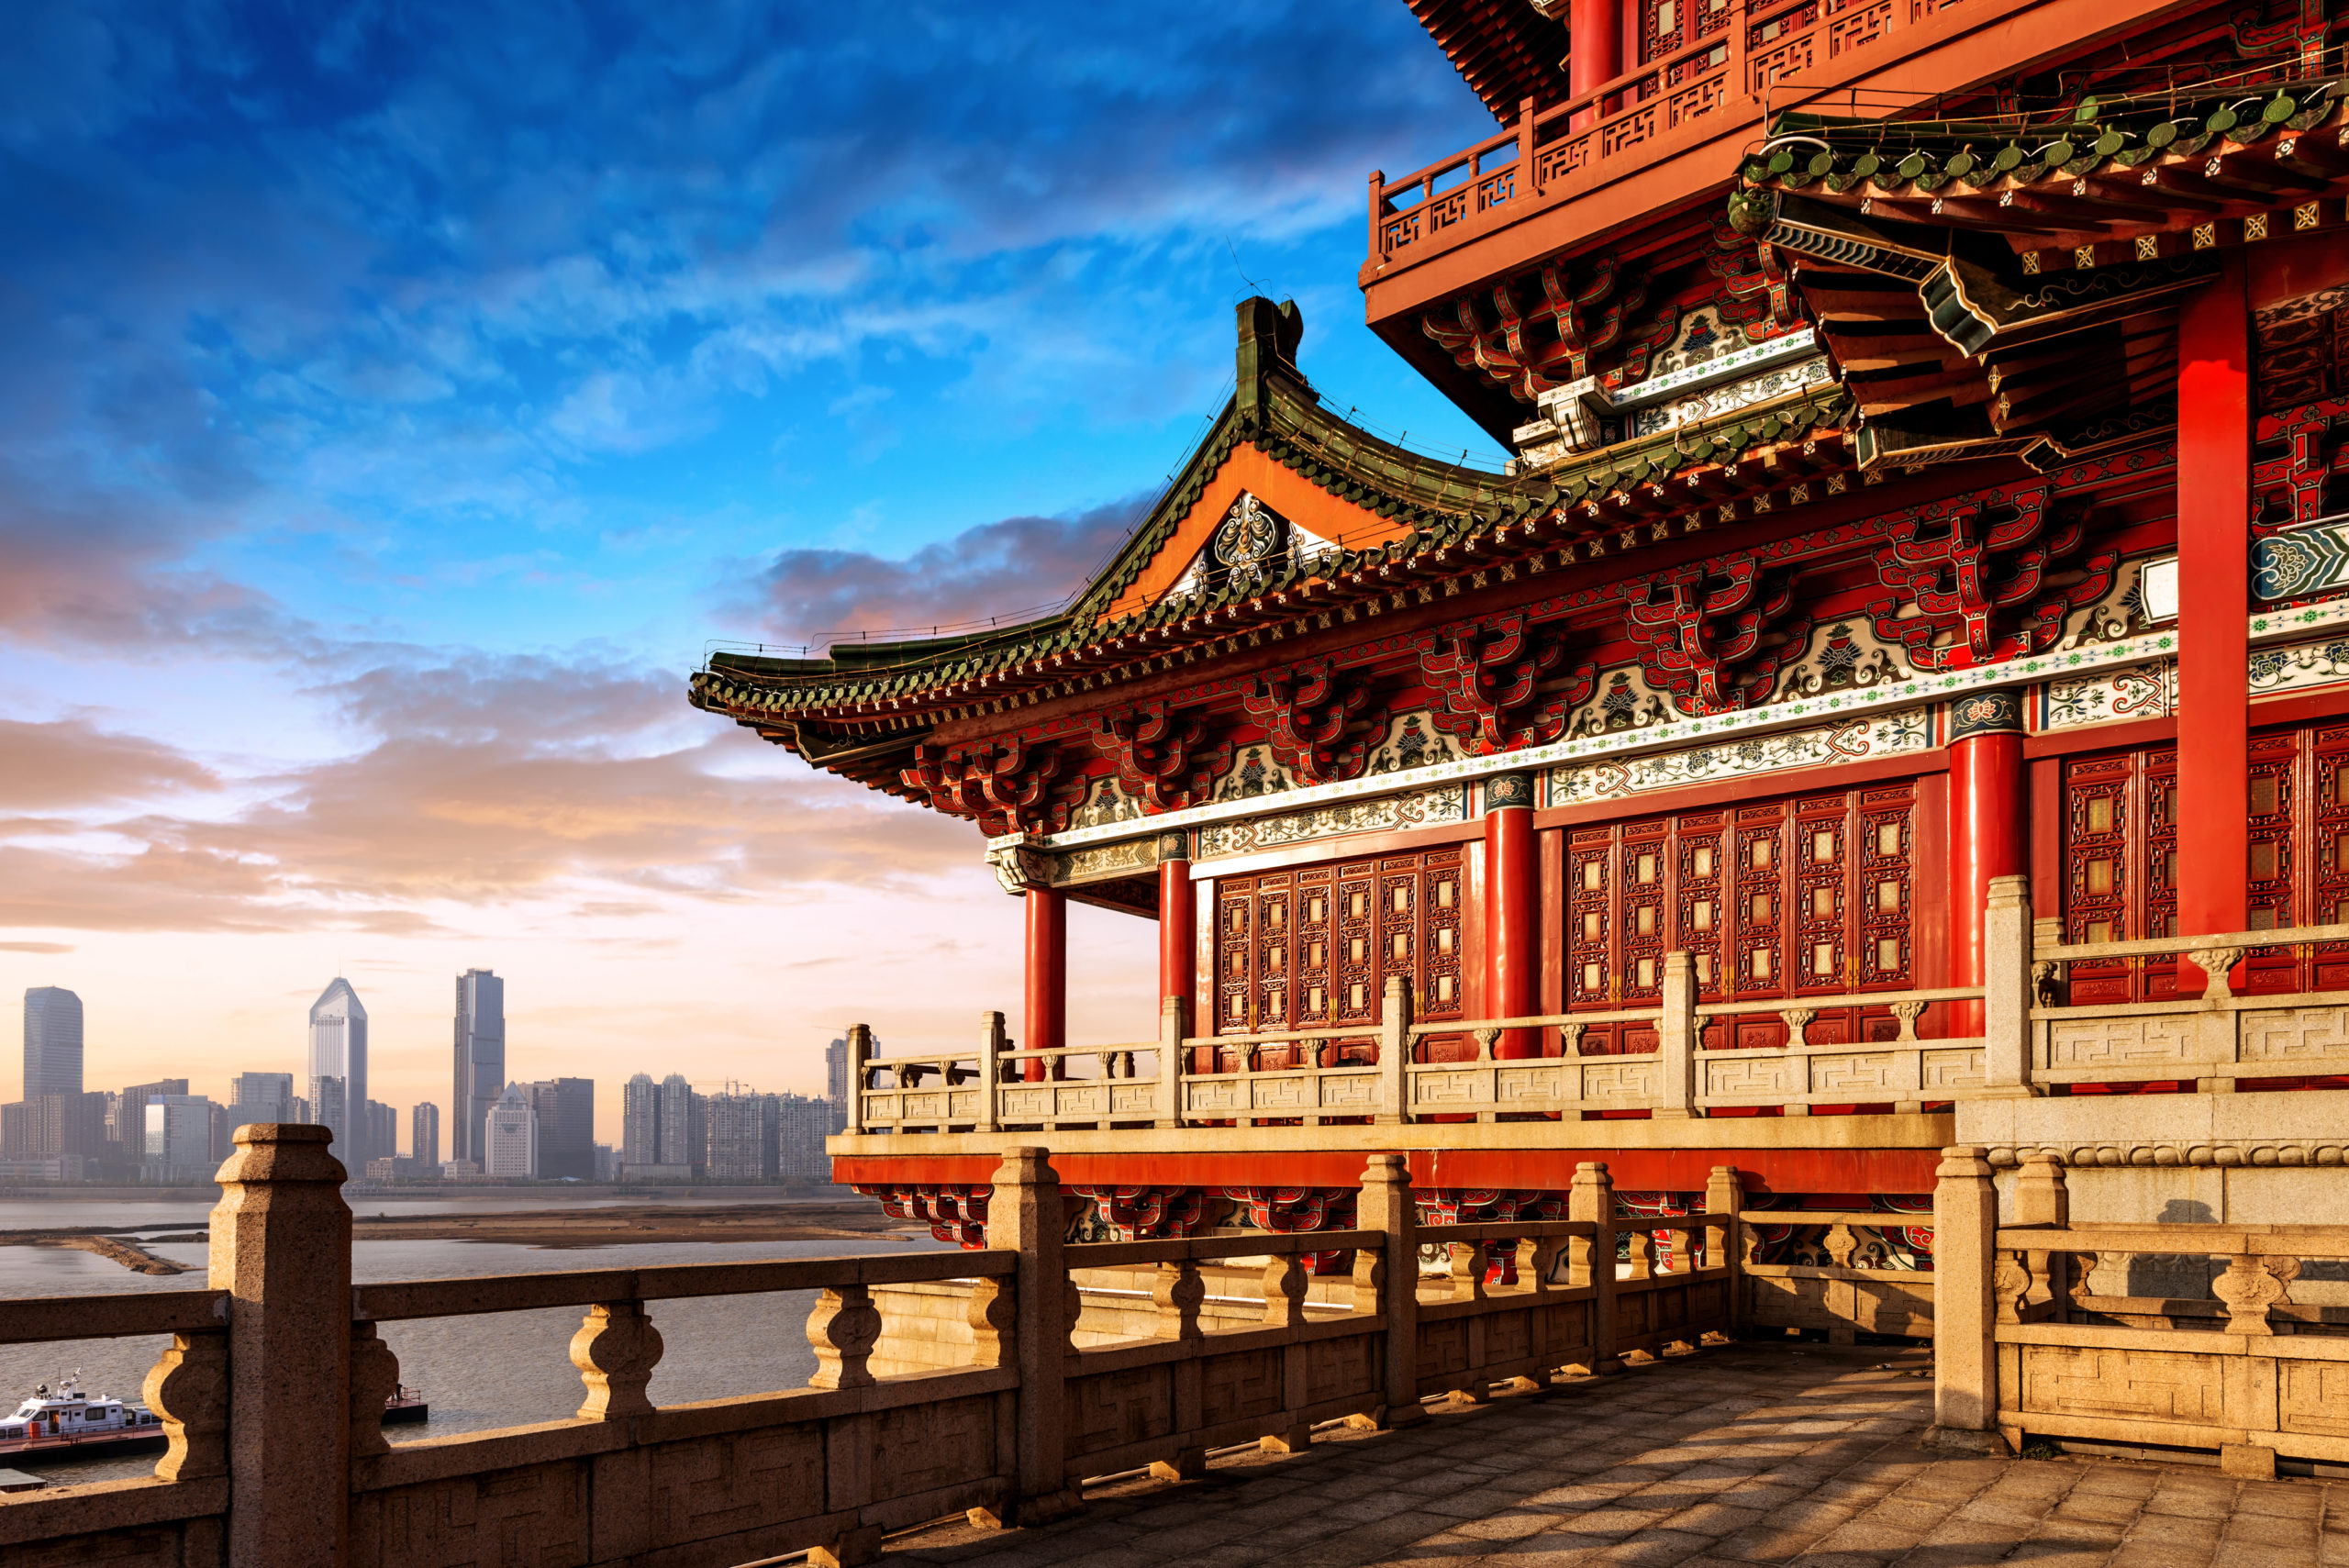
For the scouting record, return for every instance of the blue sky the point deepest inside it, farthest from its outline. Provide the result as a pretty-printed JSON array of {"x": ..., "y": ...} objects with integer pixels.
[{"x": 395, "y": 397}]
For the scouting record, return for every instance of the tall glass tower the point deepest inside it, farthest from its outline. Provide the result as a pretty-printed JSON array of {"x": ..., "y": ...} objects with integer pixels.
[
  {"x": 480, "y": 1067},
  {"x": 53, "y": 1041},
  {"x": 339, "y": 1072}
]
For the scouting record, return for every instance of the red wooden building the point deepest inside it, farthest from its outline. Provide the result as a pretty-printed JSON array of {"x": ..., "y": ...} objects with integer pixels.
[{"x": 1928, "y": 471}]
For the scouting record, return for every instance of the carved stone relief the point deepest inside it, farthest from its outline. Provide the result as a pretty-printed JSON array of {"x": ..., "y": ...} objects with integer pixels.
[{"x": 1446, "y": 802}]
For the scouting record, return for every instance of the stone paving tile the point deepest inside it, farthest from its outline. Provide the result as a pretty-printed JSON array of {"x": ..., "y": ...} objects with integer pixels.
[{"x": 1744, "y": 1456}]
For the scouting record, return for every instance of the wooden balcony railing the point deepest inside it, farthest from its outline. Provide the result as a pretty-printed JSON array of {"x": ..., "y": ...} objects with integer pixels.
[{"x": 1768, "y": 56}]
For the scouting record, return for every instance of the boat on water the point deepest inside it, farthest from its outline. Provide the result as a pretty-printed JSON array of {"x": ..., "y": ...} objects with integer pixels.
[{"x": 64, "y": 1420}]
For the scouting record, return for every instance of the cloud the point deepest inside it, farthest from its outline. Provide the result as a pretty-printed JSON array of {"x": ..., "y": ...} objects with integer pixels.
[
  {"x": 70, "y": 762},
  {"x": 36, "y": 947},
  {"x": 498, "y": 781},
  {"x": 1007, "y": 569}
]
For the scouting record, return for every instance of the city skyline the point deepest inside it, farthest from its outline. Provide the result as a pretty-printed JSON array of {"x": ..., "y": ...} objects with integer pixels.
[{"x": 397, "y": 1073}]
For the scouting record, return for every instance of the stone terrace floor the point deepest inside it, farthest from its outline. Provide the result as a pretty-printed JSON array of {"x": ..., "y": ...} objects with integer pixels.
[{"x": 1800, "y": 1456}]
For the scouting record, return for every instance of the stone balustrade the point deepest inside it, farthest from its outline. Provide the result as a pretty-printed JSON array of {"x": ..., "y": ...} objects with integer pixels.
[
  {"x": 2029, "y": 1043},
  {"x": 273, "y": 1385},
  {"x": 2026, "y": 1350}
]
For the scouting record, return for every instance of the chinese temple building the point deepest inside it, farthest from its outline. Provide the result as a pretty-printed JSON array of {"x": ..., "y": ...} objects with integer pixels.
[{"x": 1917, "y": 601}]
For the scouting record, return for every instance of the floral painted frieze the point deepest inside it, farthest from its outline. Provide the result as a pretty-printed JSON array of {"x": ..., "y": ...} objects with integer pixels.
[
  {"x": 1857, "y": 739},
  {"x": 1419, "y": 808}
]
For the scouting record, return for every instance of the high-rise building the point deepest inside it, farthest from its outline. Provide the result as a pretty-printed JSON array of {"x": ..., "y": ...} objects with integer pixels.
[
  {"x": 836, "y": 1082},
  {"x": 382, "y": 1127},
  {"x": 339, "y": 1070},
  {"x": 479, "y": 1074},
  {"x": 510, "y": 1136},
  {"x": 261, "y": 1098},
  {"x": 803, "y": 1125},
  {"x": 53, "y": 1041},
  {"x": 127, "y": 1129},
  {"x": 679, "y": 1146},
  {"x": 183, "y": 1138},
  {"x": 423, "y": 1136},
  {"x": 741, "y": 1136},
  {"x": 52, "y": 1127},
  {"x": 641, "y": 1121},
  {"x": 565, "y": 1109}
]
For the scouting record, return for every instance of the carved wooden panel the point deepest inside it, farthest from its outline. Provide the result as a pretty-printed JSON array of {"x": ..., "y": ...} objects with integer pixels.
[
  {"x": 2121, "y": 860},
  {"x": 1800, "y": 897},
  {"x": 1315, "y": 945},
  {"x": 2121, "y": 868}
]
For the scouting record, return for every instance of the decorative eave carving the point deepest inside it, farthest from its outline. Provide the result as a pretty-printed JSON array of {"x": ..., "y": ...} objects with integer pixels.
[
  {"x": 1703, "y": 626},
  {"x": 1491, "y": 675},
  {"x": 1982, "y": 576},
  {"x": 1321, "y": 726},
  {"x": 1162, "y": 757},
  {"x": 1004, "y": 786}
]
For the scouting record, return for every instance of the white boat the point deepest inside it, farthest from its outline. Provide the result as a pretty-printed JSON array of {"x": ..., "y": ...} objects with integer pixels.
[{"x": 67, "y": 1418}]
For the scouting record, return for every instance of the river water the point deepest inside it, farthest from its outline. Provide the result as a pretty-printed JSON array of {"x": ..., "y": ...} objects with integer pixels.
[{"x": 493, "y": 1370}]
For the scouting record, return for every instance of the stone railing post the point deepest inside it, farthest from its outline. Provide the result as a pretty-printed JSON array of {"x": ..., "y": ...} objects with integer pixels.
[
  {"x": 991, "y": 1046},
  {"x": 860, "y": 1052},
  {"x": 1590, "y": 1199},
  {"x": 1173, "y": 1027},
  {"x": 1025, "y": 1215},
  {"x": 281, "y": 1248},
  {"x": 2043, "y": 1198},
  {"x": 1387, "y": 1281},
  {"x": 1395, "y": 1052},
  {"x": 2006, "y": 988},
  {"x": 189, "y": 1389},
  {"x": 1675, "y": 1040},
  {"x": 1966, "y": 1353},
  {"x": 1725, "y": 1241}
]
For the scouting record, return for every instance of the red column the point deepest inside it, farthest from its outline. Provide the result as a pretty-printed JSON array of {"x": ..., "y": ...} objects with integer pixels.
[
  {"x": 1989, "y": 831},
  {"x": 2213, "y": 524},
  {"x": 1512, "y": 928},
  {"x": 1595, "y": 55},
  {"x": 1047, "y": 1019},
  {"x": 1178, "y": 921}
]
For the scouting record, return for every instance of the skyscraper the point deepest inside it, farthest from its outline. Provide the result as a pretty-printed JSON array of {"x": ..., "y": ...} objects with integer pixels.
[
  {"x": 836, "y": 1082},
  {"x": 381, "y": 1131},
  {"x": 565, "y": 1109},
  {"x": 679, "y": 1144},
  {"x": 339, "y": 1070},
  {"x": 509, "y": 1139},
  {"x": 261, "y": 1098},
  {"x": 423, "y": 1136},
  {"x": 480, "y": 1067},
  {"x": 53, "y": 1041},
  {"x": 641, "y": 1121}
]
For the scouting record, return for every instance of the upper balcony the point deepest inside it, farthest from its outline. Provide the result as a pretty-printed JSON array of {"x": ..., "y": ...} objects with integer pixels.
[{"x": 1661, "y": 142}]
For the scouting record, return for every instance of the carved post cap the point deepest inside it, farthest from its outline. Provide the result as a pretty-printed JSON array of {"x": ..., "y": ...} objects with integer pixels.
[
  {"x": 1963, "y": 1159},
  {"x": 282, "y": 1151},
  {"x": 2010, "y": 890},
  {"x": 1387, "y": 1168},
  {"x": 1026, "y": 1163}
]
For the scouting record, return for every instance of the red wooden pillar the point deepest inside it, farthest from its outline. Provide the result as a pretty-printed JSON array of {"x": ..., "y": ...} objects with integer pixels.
[
  {"x": 1513, "y": 927},
  {"x": 1047, "y": 1019},
  {"x": 1989, "y": 833},
  {"x": 1595, "y": 57},
  {"x": 2213, "y": 526},
  {"x": 1178, "y": 921}
]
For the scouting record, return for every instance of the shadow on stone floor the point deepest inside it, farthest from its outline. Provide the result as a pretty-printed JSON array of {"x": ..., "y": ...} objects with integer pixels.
[{"x": 1756, "y": 1454}]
